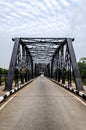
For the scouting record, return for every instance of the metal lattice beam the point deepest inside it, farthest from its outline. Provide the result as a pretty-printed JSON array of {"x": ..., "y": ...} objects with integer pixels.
[
  {"x": 9, "y": 80},
  {"x": 64, "y": 64},
  {"x": 54, "y": 56}
]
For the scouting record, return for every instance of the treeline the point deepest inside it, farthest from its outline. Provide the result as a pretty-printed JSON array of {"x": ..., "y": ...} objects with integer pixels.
[
  {"x": 3, "y": 71},
  {"x": 82, "y": 68},
  {"x": 3, "y": 74},
  {"x": 81, "y": 65}
]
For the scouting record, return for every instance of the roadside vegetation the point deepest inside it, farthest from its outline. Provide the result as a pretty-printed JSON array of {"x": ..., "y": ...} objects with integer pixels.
[
  {"x": 81, "y": 65},
  {"x": 82, "y": 68},
  {"x": 3, "y": 73}
]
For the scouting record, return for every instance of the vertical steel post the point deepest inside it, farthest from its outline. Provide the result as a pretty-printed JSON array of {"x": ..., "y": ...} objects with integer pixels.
[
  {"x": 77, "y": 77},
  {"x": 10, "y": 76},
  {"x": 35, "y": 70},
  {"x": 0, "y": 79},
  {"x": 52, "y": 69},
  {"x": 32, "y": 68},
  {"x": 48, "y": 70}
]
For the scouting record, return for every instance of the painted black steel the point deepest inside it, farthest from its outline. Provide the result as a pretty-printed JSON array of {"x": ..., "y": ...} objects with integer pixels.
[
  {"x": 75, "y": 66},
  {"x": 9, "y": 80},
  {"x": 53, "y": 57},
  {"x": 64, "y": 65}
]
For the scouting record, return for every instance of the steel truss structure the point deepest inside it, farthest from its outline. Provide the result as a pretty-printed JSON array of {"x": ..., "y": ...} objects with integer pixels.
[{"x": 53, "y": 57}]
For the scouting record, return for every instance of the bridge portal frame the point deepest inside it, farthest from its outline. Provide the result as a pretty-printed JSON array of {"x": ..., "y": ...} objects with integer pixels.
[
  {"x": 66, "y": 62},
  {"x": 62, "y": 60},
  {"x": 16, "y": 60}
]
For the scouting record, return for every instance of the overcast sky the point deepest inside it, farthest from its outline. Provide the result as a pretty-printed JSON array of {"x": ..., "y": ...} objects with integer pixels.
[{"x": 41, "y": 18}]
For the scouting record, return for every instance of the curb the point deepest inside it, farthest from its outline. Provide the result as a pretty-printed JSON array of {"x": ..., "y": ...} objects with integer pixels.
[
  {"x": 7, "y": 94},
  {"x": 81, "y": 94}
]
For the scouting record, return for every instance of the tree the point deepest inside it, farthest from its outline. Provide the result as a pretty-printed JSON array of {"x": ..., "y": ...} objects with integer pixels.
[
  {"x": 3, "y": 71},
  {"x": 82, "y": 67}
]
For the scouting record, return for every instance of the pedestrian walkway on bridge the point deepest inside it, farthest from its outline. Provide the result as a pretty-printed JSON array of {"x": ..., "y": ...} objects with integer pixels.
[{"x": 42, "y": 105}]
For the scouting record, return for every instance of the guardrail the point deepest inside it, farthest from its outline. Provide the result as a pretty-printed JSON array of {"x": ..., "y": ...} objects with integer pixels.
[{"x": 19, "y": 78}]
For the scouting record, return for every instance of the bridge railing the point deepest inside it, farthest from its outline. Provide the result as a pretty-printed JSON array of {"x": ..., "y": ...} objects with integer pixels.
[
  {"x": 61, "y": 63},
  {"x": 19, "y": 78},
  {"x": 67, "y": 80},
  {"x": 64, "y": 66}
]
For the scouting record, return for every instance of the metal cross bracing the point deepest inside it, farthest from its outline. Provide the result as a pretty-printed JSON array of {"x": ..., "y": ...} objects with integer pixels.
[
  {"x": 41, "y": 49},
  {"x": 53, "y": 57}
]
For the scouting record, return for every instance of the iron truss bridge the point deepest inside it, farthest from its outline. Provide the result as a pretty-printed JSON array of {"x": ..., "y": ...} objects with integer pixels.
[{"x": 53, "y": 57}]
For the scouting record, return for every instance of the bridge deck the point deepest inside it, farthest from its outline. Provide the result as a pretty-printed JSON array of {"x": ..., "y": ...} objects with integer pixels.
[{"x": 43, "y": 105}]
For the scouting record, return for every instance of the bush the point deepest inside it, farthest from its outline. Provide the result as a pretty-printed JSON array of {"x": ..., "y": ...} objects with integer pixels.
[
  {"x": 3, "y": 71},
  {"x": 82, "y": 68}
]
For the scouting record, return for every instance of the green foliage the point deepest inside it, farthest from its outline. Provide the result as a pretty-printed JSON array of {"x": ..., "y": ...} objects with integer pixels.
[
  {"x": 3, "y": 71},
  {"x": 82, "y": 68},
  {"x": 83, "y": 60}
]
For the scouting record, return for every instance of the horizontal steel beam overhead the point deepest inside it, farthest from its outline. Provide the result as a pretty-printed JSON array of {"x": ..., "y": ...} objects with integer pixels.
[
  {"x": 45, "y": 49},
  {"x": 42, "y": 62},
  {"x": 43, "y": 59},
  {"x": 39, "y": 55},
  {"x": 39, "y": 38},
  {"x": 42, "y": 51},
  {"x": 51, "y": 45},
  {"x": 72, "y": 39},
  {"x": 41, "y": 42},
  {"x": 45, "y": 40}
]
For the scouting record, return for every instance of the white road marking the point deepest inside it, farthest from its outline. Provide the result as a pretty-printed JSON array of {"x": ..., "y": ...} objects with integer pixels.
[
  {"x": 6, "y": 102},
  {"x": 1, "y": 98},
  {"x": 78, "y": 99}
]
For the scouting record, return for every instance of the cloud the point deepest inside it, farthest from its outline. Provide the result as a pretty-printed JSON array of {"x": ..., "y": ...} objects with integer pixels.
[
  {"x": 41, "y": 14},
  {"x": 65, "y": 3},
  {"x": 47, "y": 18}
]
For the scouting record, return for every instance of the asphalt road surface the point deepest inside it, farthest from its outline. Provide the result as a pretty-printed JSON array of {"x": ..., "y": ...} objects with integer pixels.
[{"x": 42, "y": 105}]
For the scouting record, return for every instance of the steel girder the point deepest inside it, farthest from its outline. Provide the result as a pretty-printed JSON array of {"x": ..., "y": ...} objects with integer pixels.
[
  {"x": 52, "y": 56},
  {"x": 22, "y": 62},
  {"x": 64, "y": 65},
  {"x": 9, "y": 80},
  {"x": 42, "y": 48}
]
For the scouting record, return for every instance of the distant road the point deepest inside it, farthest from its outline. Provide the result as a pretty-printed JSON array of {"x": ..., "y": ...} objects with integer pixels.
[{"x": 42, "y": 105}]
